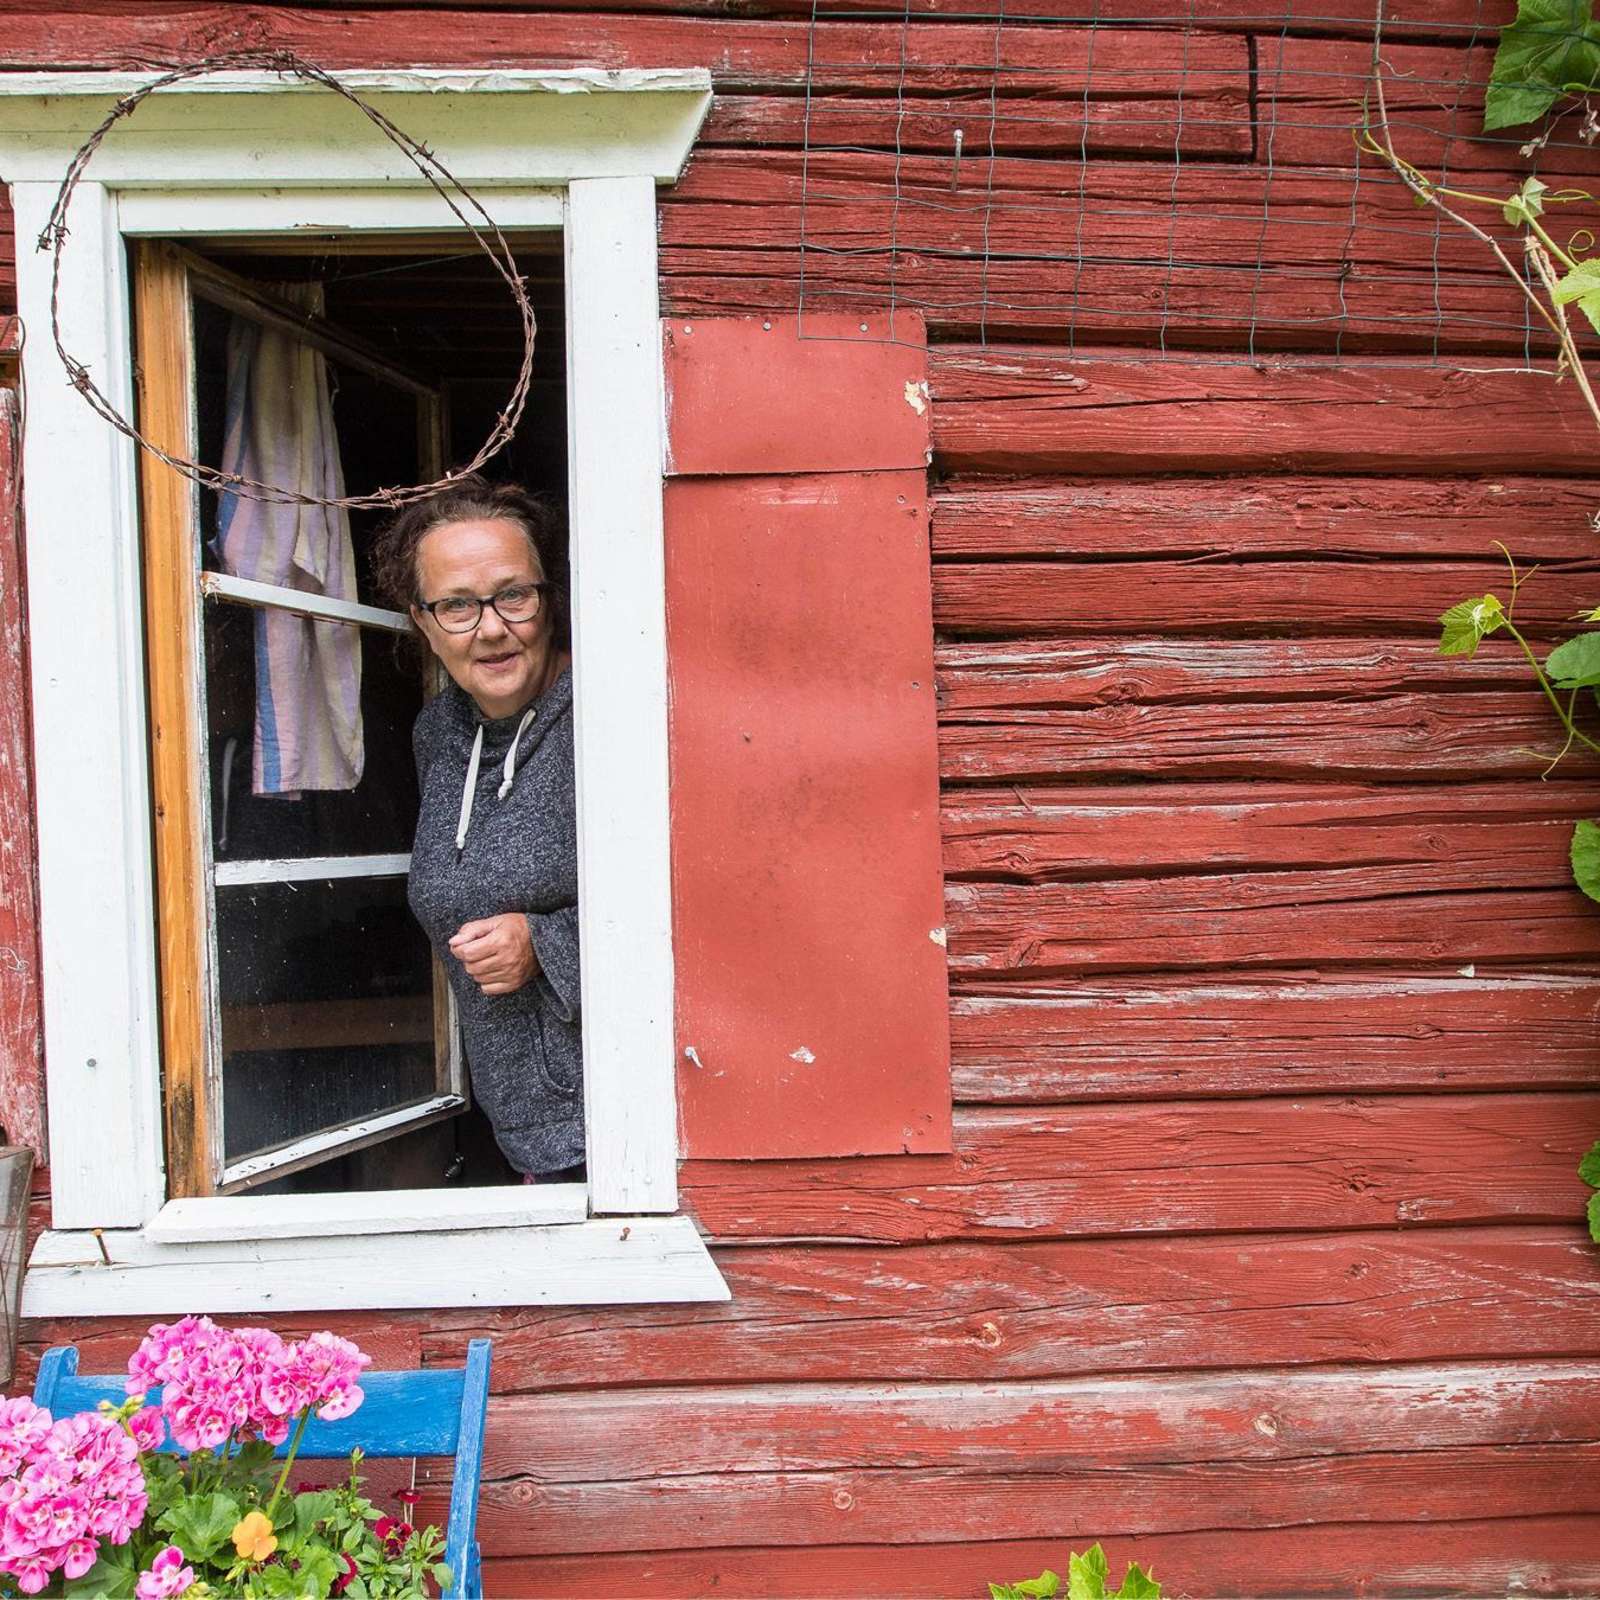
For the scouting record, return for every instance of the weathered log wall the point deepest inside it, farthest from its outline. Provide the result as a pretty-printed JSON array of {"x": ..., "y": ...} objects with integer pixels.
[{"x": 1258, "y": 1256}]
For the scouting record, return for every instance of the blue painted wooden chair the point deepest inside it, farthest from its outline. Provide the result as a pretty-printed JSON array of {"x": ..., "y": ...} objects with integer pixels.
[{"x": 438, "y": 1411}]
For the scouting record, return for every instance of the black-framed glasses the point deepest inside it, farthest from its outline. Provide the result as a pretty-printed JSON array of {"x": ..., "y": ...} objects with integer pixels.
[{"x": 461, "y": 613}]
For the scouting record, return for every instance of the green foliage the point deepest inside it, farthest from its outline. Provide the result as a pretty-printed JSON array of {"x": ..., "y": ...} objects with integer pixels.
[
  {"x": 1088, "y": 1578},
  {"x": 1552, "y": 49},
  {"x": 1575, "y": 664},
  {"x": 1526, "y": 204},
  {"x": 1468, "y": 623},
  {"x": 1581, "y": 285},
  {"x": 1586, "y": 858},
  {"x": 1589, "y": 1171}
]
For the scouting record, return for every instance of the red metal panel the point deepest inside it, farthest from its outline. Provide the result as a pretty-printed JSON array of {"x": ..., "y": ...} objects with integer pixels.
[
  {"x": 812, "y": 1001},
  {"x": 21, "y": 1065},
  {"x": 771, "y": 394}
]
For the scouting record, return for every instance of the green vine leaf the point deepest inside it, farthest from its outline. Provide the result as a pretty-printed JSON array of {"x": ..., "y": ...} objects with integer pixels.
[
  {"x": 1087, "y": 1574},
  {"x": 1467, "y": 624},
  {"x": 1575, "y": 664},
  {"x": 1526, "y": 204},
  {"x": 1583, "y": 285},
  {"x": 1586, "y": 858},
  {"x": 1594, "y": 1217},
  {"x": 1138, "y": 1585},
  {"x": 1044, "y": 1587},
  {"x": 1552, "y": 49}
]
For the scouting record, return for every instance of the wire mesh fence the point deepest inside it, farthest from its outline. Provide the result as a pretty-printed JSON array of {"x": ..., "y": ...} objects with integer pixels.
[{"x": 1182, "y": 179}]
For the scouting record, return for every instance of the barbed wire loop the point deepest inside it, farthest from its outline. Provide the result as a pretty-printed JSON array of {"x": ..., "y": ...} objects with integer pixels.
[{"x": 55, "y": 233}]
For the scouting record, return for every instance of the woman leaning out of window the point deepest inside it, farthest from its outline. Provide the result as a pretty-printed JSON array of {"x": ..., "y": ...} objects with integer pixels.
[{"x": 482, "y": 569}]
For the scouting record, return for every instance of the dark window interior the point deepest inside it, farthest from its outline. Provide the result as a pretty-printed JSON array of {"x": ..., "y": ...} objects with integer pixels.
[{"x": 449, "y": 320}]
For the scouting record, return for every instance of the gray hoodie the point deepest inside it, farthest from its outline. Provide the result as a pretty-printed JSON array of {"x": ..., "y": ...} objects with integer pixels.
[{"x": 519, "y": 853}]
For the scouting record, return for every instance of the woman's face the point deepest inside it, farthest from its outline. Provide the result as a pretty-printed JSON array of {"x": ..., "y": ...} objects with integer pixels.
[{"x": 501, "y": 664}]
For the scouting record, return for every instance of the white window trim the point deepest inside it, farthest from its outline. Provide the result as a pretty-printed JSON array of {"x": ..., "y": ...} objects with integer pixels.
[{"x": 580, "y": 150}]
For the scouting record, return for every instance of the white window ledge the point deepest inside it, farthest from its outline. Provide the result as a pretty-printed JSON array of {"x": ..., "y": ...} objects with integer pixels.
[{"x": 614, "y": 1261}]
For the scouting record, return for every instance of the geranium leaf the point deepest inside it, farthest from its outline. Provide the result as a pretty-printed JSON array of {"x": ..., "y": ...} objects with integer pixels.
[
  {"x": 113, "y": 1575},
  {"x": 1575, "y": 664},
  {"x": 1467, "y": 623},
  {"x": 1585, "y": 856},
  {"x": 1551, "y": 49},
  {"x": 201, "y": 1524},
  {"x": 1589, "y": 1167}
]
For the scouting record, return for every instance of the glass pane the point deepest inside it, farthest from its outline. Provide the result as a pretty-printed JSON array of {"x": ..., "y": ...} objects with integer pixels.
[
  {"x": 377, "y": 817},
  {"x": 327, "y": 1008}
]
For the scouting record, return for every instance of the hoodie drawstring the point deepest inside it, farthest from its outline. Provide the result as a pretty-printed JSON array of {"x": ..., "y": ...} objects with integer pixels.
[{"x": 470, "y": 788}]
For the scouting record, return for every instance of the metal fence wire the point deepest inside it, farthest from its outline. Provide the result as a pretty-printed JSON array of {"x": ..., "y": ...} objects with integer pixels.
[{"x": 1179, "y": 178}]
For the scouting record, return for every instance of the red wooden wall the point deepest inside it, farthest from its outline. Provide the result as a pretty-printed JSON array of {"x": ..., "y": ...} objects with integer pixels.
[{"x": 1257, "y": 1256}]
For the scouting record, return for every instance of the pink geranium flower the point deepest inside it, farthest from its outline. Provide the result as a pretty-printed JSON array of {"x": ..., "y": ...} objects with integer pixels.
[{"x": 167, "y": 1576}]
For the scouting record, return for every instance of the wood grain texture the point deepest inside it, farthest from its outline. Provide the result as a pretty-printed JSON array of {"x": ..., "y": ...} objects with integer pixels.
[
  {"x": 166, "y": 503},
  {"x": 1288, "y": 518},
  {"x": 1318, "y": 1164},
  {"x": 1032, "y": 409},
  {"x": 1222, "y": 597},
  {"x": 1053, "y": 1426},
  {"x": 1551, "y": 1556},
  {"x": 915, "y": 1507},
  {"x": 22, "y": 1108},
  {"x": 1163, "y": 1038},
  {"x": 1146, "y": 709},
  {"x": 1482, "y": 835},
  {"x": 1358, "y": 916},
  {"x": 989, "y": 1312}
]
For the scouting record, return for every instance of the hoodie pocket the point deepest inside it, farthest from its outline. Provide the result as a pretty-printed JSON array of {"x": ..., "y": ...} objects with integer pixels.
[{"x": 550, "y": 1073}]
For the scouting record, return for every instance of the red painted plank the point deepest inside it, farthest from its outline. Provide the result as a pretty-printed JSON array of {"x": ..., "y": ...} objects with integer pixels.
[
  {"x": 1512, "y": 835},
  {"x": 1203, "y": 114},
  {"x": 1184, "y": 596},
  {"x": 21, "y": 1044},
  {"x": 1536, "y": 1556},
  {"x": 1165, "y": 708},
  {"x": 912, "y": 1508},
  {"x": 1163, "y": 1038},
  {"x": 623, "y": 1435},
  {"x": 1037, "y": 675},
  {"x": 1035, "y": 410},
  {"x": 811, "y": 1009},
  {"x": 1537, "y": 519},
  {"x": 1182, "y": 1167},
  {"x": 752, "y": 395},
  {"x": 1359, "y": 916},
  {"x": 987, "y": 1312}
]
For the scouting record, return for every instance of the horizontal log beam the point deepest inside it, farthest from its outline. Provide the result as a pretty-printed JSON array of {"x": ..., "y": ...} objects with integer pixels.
[
  {"x": 1035, "y": 409},
  {"x": 1422, "y": 736},
  {"x": 1356, "y": 916},
  {"x": 1168, "y": 1037},
  {"x": 1054, "y": 1426},
  {"x": 987, "y": 1313},
  {"x": 911, "y": 1508},
  {"x": 1537, "y": 519},
  {"x": 1183, "y": 1167},
  {"x": 1500, "y": 835},
  {"x": 1535, "y": 1556},
  {"x": 1181, "y": 595}
]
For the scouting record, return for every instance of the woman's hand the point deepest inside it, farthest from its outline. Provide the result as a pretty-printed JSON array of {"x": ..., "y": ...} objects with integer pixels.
[{"x": 497, "y": 952}]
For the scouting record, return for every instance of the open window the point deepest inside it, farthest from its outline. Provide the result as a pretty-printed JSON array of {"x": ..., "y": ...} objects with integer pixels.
[
  {"x": 308, "y": 1036},
  {"x": 132, "y": 662}
]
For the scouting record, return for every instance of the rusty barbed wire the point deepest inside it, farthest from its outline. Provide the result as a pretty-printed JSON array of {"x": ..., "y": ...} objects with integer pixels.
[{"x": 486, "y": 233}]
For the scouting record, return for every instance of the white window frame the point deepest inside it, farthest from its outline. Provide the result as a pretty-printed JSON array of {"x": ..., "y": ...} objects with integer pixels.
[{"x": 579, "y": 150}]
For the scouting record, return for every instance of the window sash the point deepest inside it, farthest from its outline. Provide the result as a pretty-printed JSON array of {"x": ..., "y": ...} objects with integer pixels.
[{"x": 167, "y": 280}]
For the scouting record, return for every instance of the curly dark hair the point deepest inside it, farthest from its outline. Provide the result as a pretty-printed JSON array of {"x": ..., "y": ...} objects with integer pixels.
[{"x": 474, "y": 498}]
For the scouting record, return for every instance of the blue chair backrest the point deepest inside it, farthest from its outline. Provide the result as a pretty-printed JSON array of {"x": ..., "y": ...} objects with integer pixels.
[{"x": 438, "y": 1411}]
